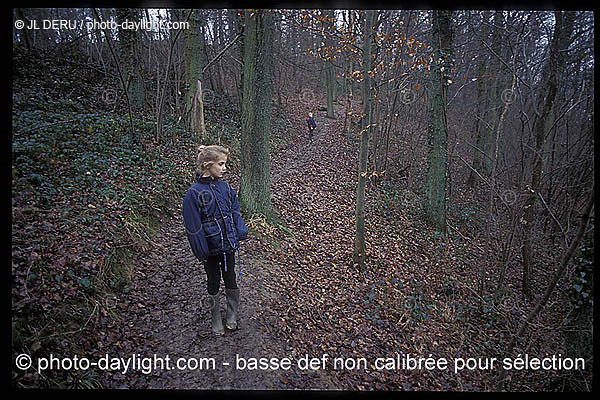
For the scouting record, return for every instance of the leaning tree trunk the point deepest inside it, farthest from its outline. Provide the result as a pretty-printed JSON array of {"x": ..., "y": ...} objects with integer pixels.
[
  {"x": 564, "y": 263},
  {"x": 255, "y": 179},
  {"x": 197, "y": 114},
  {"x": 435, "y": 202},
  {"x": 193, "y": 59}
]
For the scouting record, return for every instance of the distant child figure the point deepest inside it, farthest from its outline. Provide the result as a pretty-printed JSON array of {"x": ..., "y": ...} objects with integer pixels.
[
  {"x": 214, "y": 227},
  {"x": 311, "y": 125}
]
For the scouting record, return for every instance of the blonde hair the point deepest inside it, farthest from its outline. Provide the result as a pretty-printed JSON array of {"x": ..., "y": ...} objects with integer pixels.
[{"x": 209, "y": 155}]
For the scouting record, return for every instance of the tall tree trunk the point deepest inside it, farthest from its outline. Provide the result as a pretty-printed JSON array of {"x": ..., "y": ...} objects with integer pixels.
[
  {"x": 162, "y": 96},
  {"x": 359, "y": 243},
  {"x": 221, "y": 41},
  {"x": 329, "y": 72},
  {"x": 480, "y": 110},
  {"x": 121, "y": 78},
  {"x": 348, "y": 112},
  {"x": 209, "y": 78},
  {"x": 235, "y": 27},
  {"x": 562, "y": 31},
  {"x": 255, "y": 180},
  {"x": 128, "y": 46},
  {"x": 494, "y": 106},
  {"x": 349, "y": 83},
  {"x": 376, "y": 130},
  {"x": 435, "y": 202},
  {"x": 392, "y": 118}
]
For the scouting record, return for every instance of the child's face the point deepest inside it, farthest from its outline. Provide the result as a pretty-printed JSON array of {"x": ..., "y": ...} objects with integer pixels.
[{"x": 217, "y": 169}]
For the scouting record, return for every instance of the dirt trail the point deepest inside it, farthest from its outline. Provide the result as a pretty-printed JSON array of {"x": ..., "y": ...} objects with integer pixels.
[{"x": 168, "y": 311}]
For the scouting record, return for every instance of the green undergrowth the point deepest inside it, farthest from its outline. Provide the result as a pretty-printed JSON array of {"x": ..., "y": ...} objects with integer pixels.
[{"x": 87, "y": 200}]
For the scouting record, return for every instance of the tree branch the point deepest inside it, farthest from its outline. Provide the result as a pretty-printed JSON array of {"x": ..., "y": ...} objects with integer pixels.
[
  {"x": 561, "y": 269},
  {"x": 218, "y": 56}
]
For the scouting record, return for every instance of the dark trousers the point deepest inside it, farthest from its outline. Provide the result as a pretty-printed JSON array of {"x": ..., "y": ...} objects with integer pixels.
[{"x": 215, "y": 267}]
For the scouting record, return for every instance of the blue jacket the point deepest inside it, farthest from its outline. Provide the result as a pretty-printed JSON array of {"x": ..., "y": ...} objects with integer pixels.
[
  {"x": 311, "y": 122},
  {"x": 212, "y": 219}
]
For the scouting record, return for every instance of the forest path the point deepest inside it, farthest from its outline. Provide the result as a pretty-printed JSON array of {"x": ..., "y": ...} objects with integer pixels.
[{"x": 168, "y": 310}]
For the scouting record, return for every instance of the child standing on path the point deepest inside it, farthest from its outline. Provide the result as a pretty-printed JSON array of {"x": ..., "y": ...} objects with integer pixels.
[
  {"x": 311, "y": 125},
  {"x": 214, "y": 228}
]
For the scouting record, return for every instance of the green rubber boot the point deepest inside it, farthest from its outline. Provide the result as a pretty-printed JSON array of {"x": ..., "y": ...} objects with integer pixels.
[
  {"x": 215, "y": 312},
  {"x": 233, "y": 300}
]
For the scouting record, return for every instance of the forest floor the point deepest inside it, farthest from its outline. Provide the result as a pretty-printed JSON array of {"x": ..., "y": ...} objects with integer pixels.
[
  {"x": 302, "y": 299},
  {"x": 168, "y": 311},
  {"x": 76, "y": 194}
]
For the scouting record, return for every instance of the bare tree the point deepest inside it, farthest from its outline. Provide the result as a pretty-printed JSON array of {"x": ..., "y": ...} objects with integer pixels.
[{"x": 366, "y": 127}]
